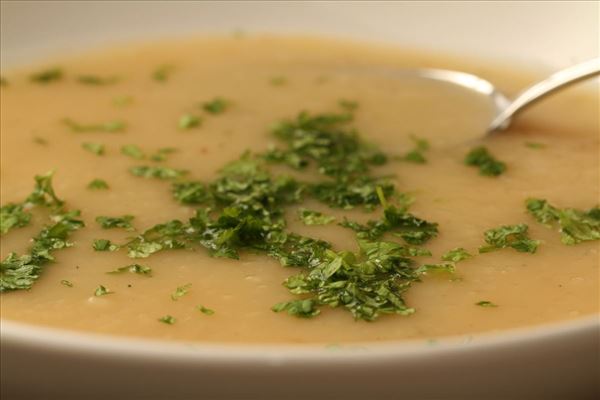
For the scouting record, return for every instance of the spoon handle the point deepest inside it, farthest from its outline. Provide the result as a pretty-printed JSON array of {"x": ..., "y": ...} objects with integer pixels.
[{"x": 554, "y": 82}]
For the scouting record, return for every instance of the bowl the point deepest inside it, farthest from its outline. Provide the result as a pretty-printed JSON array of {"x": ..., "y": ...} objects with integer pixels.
[{"x": 560, "y": 360}]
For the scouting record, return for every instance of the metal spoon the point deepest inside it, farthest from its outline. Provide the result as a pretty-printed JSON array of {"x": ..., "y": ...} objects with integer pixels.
[{"x": 507, "y": 109}]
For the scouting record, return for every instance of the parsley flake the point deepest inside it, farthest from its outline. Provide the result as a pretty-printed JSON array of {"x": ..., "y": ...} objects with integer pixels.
[
  {"x": 133, "y": 151},
  {"x": 486, "y": 303},
  {"x": 102, "y": 291},
  {"x": 134, "y": 269},
  {"x": 575, "y": 226},
  {"x": 95, "y": 148},
  {"x": 123, "y": 222},
  {"x": 456, "y": 255},
  {"x": 95, "y": 80},
  {"x": 204, "y": 310},
  {"x": 514, "y": 236},
  {"x": 189, "y": 121},
  {"x": 167, "y": 319},
  {"x": 309, "y": 217},
  {"x": 216, "y": 106},
  {"x": 164, "y": 173},
  {"x": 47, "y": 76},
  {"x": 104, "y": 245},
  {"x": 180, "y": 292},
  {"x": 67, "y": 283},
  {"x": 98, "y": 184},
  {"x": 488, "y": 165},
  {"x": 112, "y": 126}
]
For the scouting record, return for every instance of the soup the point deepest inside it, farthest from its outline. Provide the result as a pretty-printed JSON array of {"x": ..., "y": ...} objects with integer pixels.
[{"x": 467, "y": 235}]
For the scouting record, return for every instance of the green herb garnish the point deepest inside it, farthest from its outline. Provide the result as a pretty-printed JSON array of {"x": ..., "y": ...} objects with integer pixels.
[
  {"x": 205, "y": 310},
  {"x": 133, "y": 151},
  {"x": 310, "y": 217},
  {"x": 123, "y": 222},
  {"x": 191, "y": 193},
  {"x": 575, "y": 226},
  {"x": 67, "y": 283},
  {"x": 189, "y": 121},
  {"x": 167, "y": 319},
  {"x": 112, "y": 126},
  {"x": 102, "y": 291},
  {"x": 488, "y": 165},
  {"x": 20, "y": 272},
  {"x": 134, "y": 269},
  {"x": 216, "y": 106},
  {"x": 416, "y": 154},
  {"x": 278, "y": 81},
  {"x": 96, "y": 148},
  {"x": 180, "y": 292},
  {"x": 162, "y": 153},
  {"x": 514, "y": 236},
  {"x": 104, "y": 245},
  {"x": 348, "y": 105},
  {"x": 162, "y": 73},
  {"x": 164, "y": 173},
  {"x": 456, "y": 255},
  {"x": 535, "y": 145},
  {"x": 16, "y": 215},
  {"x": 485, "y": 303},
  {"x": 47, "y": 76},
  {"x": 98, "y": 184},
  {"x": 96, "y": 80},
  {"x": 298, "y": 308}
]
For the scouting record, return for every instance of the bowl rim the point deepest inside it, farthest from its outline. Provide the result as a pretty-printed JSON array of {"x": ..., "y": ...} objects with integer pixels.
[{"x": 81, "y": 343}]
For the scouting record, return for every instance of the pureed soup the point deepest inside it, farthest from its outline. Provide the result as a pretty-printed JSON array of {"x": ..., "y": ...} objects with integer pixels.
[{"x": 179, "y": 184}]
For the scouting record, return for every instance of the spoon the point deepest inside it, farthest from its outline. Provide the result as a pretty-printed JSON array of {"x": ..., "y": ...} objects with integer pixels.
[{"x": 507, "y": 109}]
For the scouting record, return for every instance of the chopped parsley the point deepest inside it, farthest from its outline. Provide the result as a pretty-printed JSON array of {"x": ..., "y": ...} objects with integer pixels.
[
  {"x": 167, "y": 319},
  {"x": 67, "y": 283},
  {"x": 133, "y": 151},
  {"x": 123, "y": 222},
  {"x": 488, "y": 165},
  {"x": 191, "y": 192},
  {"x": 456, "y": 255},
  {"x": 134, "y": 269},
  {"x": 298, "y": 308},
  {"x": 98, "y": 184},
  {"x": 102, "y": 291},
  {"x": 16, "y": 215},
  {"x": 47, "y": 76},
  {"x": 416, "y": 154},
  {"x": 309, "y": 217},
  {"x": 111, "y": 126},
  {"x": 95, "y": 80},
  {"x": 189, "y": 121},
  {"x": 13, "y": 216},
  {"x": 180, "y": 292},
  {"x": 104, "y": 245},
  {"x": 348, "y": 105},
  {"x": 96, "y": 148},
  {"x": 40, "y": 140},
  {"x": 535, "y": 145},
  {"x": 216, "y": 106},
  {"x": 204, "y": 310},
  {"x": 164, "y": 173},
  {"x": 20, "y": 272},
  {"x": 513, "y": 236},
  {"x": 162, "y": 73},
  {"x": 278, "y": 81},
  {"x": 121, "y": 101},
  {"x": 400, "y": 223},
  {"x": 162, "y": 153},
  {"x": 575, "y": 226},
  {"x": 486, "y": 303}
]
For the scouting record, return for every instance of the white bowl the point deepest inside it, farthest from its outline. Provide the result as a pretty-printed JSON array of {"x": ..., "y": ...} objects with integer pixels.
[{"x": 552, "y": 361}]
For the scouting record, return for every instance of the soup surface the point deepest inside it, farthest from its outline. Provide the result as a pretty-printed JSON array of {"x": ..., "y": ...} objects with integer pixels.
[{"x": 98, "y": 116}]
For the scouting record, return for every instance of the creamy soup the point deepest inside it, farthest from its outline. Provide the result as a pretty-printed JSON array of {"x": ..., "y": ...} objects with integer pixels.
[{"x": 108, "y": 117}]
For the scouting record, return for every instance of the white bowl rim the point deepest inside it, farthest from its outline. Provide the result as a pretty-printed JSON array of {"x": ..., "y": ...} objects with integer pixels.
[{"x": 124, "y": 347}]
